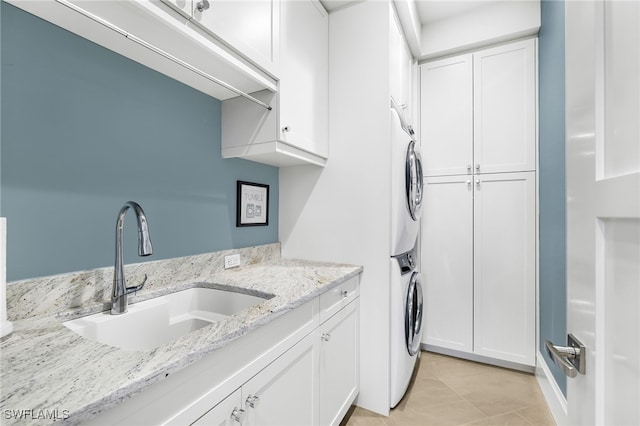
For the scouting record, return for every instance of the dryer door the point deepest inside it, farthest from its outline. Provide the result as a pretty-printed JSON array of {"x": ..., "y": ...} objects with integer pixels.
[
  {"x": 413, "y": 181},
  {"x": 413, "y": 314}
]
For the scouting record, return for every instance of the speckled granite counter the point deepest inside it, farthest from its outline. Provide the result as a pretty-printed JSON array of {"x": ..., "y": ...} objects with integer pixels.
[{"x": 47, "y": 370}]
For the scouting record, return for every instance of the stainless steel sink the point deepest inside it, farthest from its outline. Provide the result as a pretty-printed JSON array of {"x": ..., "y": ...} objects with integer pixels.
[{"x": 154, "y": 322}]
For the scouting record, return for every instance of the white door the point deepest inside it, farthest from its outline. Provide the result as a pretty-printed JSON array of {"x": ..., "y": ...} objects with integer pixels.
[
  {"x": 504, "y": 104},
  {"x": 285, "y": 392},
  {"x": 447, "y": 262},
  {"x": 504, "y": 286},
  {"x": 339, "y": 374},
  {"x": 304, "y": 76},
  {"x": 446, "y": 117},
  {"x": 603, "y": 208}
]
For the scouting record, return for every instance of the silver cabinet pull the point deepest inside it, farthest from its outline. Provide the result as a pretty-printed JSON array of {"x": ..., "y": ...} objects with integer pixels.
[
  {"x": 478, "y": 182},
  {"x": 469, "y": 182},
  {"x": 202, "y": 5},
  {"x": 286, "y": 129},
  {"x": 237, "y": 415},
  {"x": 478, "y": 167},
  {"x": 571, "y": 358},
  {"x": 469, "y": 168},
  {"x": 344, "y": 293},
  {"x": 252, "y": 401},
  {"x": 325, "y": 337}
]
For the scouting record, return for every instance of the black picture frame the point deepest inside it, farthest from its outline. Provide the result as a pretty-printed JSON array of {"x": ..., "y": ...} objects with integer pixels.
[{"x": 252, "y": 204}]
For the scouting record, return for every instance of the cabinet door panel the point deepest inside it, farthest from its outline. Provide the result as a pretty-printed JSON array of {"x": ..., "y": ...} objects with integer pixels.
[
  {"x": 446, "y": 125},
  {"x": 447, "y": 262},
  {"x": 304, "y": 83},
  {"x": 505, "y": 108},
  {"x": 247, "y": 26},
  {"x": 395, "y": 60},
  {"x": 220, "y": 415},
  {"x": 339, "y": 372},
  {"x": 286, "y": 389},
  {"x": 504, "y": 267}
]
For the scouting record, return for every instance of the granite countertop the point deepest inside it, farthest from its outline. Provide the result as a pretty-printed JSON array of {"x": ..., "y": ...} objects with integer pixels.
[{"x": 46, "y": 369}]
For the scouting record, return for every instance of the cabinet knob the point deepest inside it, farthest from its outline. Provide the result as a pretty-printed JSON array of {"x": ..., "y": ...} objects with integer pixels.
[
  {"x": 469, "y": 182},
  {"x": 325, "y": 337},
  {"x": 478, "y": 182},
  {"x": 237, "y": 415},
  {"x": 286, "y": 129},
  {"x": 344, "y": 293},
  {"x": 478, "y": 167},
  {"x": 469, "y": 168},
  {"x": 252, "y": 401},
  {"x": 202, "y": 5}
]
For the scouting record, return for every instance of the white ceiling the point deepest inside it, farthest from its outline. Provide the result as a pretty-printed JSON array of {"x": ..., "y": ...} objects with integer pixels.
[
  {"x": 435, "y": 10},
  {"x": 428, "y": 10}
]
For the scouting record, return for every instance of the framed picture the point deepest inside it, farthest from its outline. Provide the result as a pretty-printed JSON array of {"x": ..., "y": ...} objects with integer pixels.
[{"x": 252, "y": 204}]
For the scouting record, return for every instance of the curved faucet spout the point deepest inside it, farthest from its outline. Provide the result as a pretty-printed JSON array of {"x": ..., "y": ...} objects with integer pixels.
[{"x": 120, "y": 291}]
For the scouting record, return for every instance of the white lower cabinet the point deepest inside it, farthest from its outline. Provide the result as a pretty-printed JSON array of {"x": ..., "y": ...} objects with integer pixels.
[
  {"x": 447, "y": 262},
  {"x": 339, "y": 372},
  {"x": 300, "y": 369},
  {"x": 478, "y": 263},
  {"x": 284, "y": 393},
  {"x": 225, "y": 413}
]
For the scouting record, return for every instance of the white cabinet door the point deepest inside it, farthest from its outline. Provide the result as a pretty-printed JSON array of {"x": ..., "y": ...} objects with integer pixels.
[
  {"x": 304, "y": 76},
  {"x": 285, "y": 392},
  {"x": 504, "y": 266},
  {"x": 296, "y": 131},
  {"x": 447, "y": 262},
  {"x": 224, "y": 413},
  {"x": 249, "y": 26},
  {"x": 339, "y": 358},
  {"x": 505, "y": 108},
  {"x": 395, "y": 60},
  {"x": 446, "y": 125},
  {"x": 401, "y": 67}
]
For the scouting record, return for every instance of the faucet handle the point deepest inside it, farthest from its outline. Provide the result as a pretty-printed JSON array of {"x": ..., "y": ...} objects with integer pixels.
[{"x": 133, "y": 289}]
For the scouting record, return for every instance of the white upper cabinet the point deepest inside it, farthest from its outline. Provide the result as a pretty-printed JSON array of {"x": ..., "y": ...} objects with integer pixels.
[
  {"x": 401, "y": 69},
  {"x": 446, "y": 125},
  {"x": 249, "y": 26},
  {"x": 295, "y": 131},
  {"x": 152, "y": 33},
  {"x": 479, "y": 111},
  {"x": 505, "y": 108},
  {"x": 304, "y": 76}
]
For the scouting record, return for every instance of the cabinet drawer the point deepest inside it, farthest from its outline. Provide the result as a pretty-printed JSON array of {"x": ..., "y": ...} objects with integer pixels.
[{"x": 337, "y": 298}]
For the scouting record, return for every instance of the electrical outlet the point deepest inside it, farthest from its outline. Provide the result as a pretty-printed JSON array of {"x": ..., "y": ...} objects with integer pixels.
[{"x": 232, "y": 261}]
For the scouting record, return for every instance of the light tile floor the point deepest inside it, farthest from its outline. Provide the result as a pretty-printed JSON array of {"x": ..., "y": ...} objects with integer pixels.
[{"x": 452, "y": 391}]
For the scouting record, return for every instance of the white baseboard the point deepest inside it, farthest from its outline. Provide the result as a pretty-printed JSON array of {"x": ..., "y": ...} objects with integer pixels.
[{"x": 555, "y": 398}]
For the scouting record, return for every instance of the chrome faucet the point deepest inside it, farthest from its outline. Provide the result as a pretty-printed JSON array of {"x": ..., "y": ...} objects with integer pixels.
[{"x": 120, "y": 290}]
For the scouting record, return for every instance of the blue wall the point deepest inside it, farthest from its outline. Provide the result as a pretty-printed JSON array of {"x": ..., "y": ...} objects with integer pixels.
[
  {"x": 553, "y": 291},
  {"x": 83, "y": 131}
]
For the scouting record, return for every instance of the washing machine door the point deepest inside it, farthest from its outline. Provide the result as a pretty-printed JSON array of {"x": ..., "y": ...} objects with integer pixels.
[
  {"x": 413, "y": 314},
  {"x": 413, "y": 181}
]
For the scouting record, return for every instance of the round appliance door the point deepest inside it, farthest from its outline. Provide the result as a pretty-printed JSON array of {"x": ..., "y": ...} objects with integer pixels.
[
  {"x": 413, "y": 314},
  {"x": 413, "y": 181}
]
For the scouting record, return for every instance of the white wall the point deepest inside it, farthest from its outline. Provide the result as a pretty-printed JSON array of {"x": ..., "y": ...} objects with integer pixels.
[
  {"x": 342, "y": 213},
  {"x": 494, "y": 23}
]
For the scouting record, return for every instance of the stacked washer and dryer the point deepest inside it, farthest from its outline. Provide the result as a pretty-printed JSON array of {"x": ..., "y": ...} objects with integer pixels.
[{"x": 406, "y": 286}]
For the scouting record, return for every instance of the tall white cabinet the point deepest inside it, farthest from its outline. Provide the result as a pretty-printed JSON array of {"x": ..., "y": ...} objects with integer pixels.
[{"x": 478, "y": 124}]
